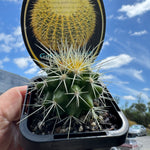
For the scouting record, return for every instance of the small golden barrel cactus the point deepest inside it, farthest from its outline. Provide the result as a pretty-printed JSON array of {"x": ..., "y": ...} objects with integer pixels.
[{"x": 70, "y": 88}]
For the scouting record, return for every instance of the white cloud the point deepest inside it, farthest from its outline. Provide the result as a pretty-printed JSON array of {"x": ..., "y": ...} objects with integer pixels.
[
  {"x": 106, "y": 43},
  {"x": 142, "y": 54},
  {"x": 17, "y": 31},
  {"x": 115, "y": 61},
  {"x": 143, "y": 57},
  {"x": 126, "y": 90},
  {"x": 26, "y": 63},
  {"x": 121, "y": 17},
  {"x": 137, "y": 74},
  {"x": 118, "y": 31},
  {"x": 11, "y": 41},
  {"x": 6, "y": 38},
  {"x": 139, "y": 51},
  {"x": 22, "y": 62},
  {"x": 129, "y": 97},
  {"x": 12, "y": 0},
  {"x": 5, "y": 48},
  {"x": 112, "y": 80},
  {"x": 144, "y": 96},
  {"x": 110, "y": 17},
  {"x": 42, "y": 73},
  {"x": 136, "y": 9},
  {"x": 4, "y": 60},
  {"x": 31, "y": 70},
  {"x": 107, "y": 77},
  {"x": 139, "y": 33},
  {"x": 146, "y": 89}
]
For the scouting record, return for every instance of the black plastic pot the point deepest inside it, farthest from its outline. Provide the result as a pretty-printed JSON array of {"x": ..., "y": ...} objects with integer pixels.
[{"x": 77, "y": 141}]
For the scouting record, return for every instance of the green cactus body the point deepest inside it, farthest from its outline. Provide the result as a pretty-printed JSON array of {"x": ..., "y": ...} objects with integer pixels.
[
  {"x": 70, "y": 87},
  {"x": 73, "y": 95},
  {"x": 81, "y": 93}
]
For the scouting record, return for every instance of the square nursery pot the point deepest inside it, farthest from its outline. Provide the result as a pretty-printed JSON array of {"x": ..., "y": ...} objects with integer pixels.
[{"x": 99, "y": 140}]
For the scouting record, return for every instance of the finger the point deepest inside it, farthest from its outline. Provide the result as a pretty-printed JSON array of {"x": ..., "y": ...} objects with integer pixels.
[{"x": 11, "y": 103}]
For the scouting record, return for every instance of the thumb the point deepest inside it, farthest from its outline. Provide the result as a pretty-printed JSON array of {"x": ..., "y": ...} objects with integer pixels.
[{"x": 11, "y": 103}]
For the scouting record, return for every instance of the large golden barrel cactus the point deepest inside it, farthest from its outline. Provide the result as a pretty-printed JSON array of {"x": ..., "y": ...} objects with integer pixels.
[{"x": 57, "y": 21}]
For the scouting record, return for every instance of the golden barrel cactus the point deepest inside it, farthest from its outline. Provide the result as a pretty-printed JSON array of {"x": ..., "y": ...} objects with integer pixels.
[{"x": 60, "y": 21}]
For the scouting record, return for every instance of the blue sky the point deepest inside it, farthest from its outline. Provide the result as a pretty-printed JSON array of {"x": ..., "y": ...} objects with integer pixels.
[{"x": 127, "y": 45}]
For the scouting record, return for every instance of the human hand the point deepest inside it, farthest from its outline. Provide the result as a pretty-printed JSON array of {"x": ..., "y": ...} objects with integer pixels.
[{"x": 10, "y": 112}]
